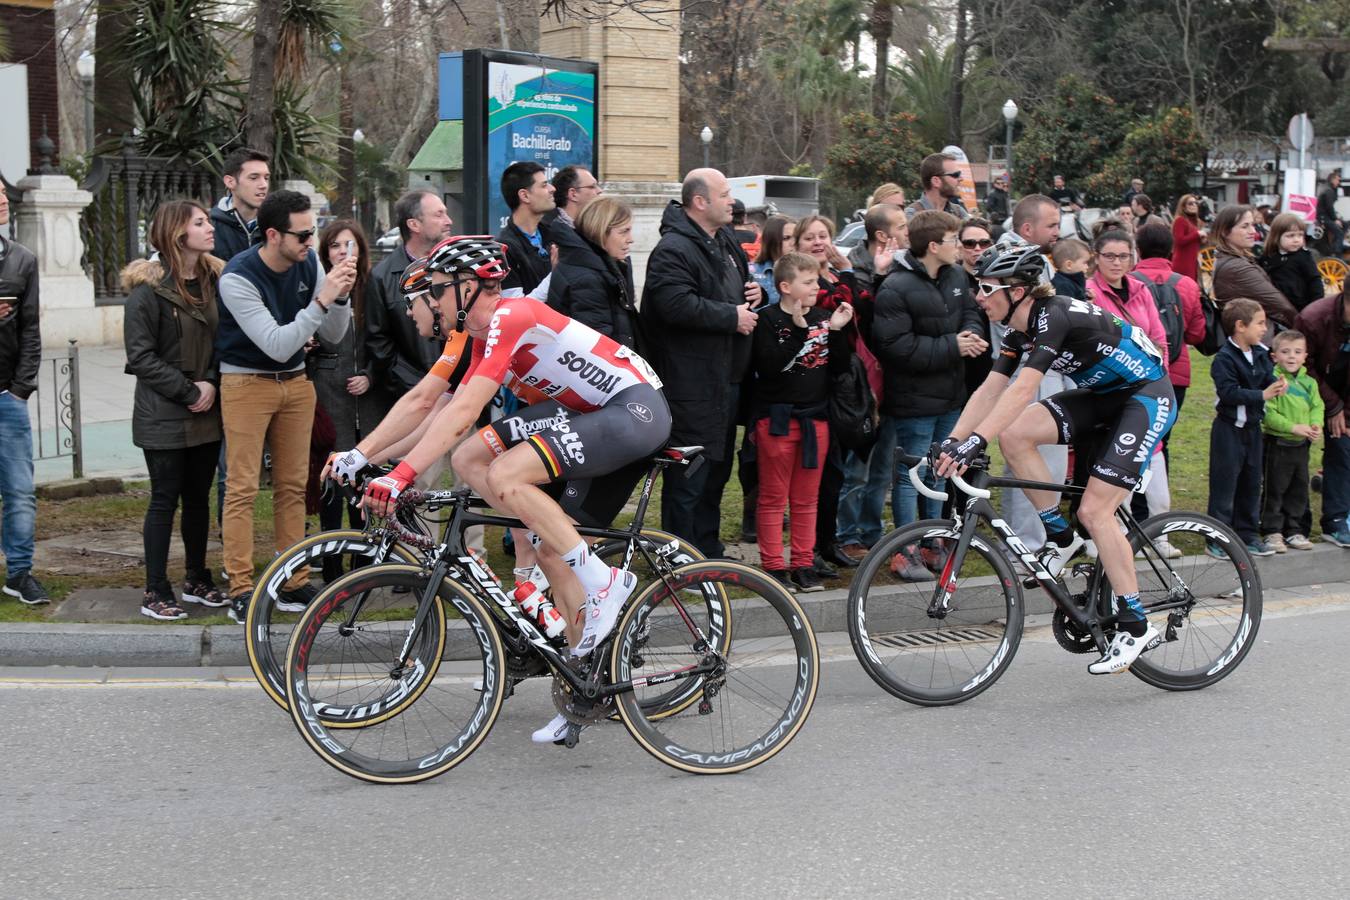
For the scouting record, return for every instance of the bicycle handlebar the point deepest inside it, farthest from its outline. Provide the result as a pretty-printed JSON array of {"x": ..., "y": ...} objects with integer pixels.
[{"x": 915, "y": 462}]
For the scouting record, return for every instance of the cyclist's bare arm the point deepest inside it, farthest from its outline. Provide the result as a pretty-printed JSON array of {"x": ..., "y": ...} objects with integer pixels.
[
  {"x": 1015, "y": 400},
  {"x": 411, "y": 411},
  {"x": 449, "y": 426},
  {"x": 400, "y": 448},
  {"x": 980, "y": 404}
]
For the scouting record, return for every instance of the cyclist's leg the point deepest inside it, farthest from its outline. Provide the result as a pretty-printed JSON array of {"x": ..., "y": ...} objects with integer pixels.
[{"x": 1019, "y": 443}]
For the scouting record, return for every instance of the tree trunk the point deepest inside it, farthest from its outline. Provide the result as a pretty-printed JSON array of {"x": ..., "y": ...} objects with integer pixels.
[
  {"x": 346, "y": 161},
  {"x": 259, "y": 132},
  {"x": 114, "y": 112},
  {"x": 958, "y": 77},
  {"x": 880, "y": 25}
]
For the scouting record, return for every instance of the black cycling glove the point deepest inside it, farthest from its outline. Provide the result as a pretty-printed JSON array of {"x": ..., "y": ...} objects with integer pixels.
[{"x": 964, "y": 452}]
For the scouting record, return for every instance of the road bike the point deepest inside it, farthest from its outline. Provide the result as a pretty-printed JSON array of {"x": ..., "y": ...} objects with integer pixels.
[
  {"x": 268, "y": 628},
  {"x": 945, "y": 641},
  {"x": 394, "y": 690}
]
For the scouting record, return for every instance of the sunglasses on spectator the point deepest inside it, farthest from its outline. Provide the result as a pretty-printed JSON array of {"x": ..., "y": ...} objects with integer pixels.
[
  {"x": 972, "y": 243},
  {"x": 951, "y": 174},
  {"x": 302, "y": 236}
]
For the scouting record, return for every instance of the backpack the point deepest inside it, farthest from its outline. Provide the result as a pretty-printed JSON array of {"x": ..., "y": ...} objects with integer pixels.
[
  {"x": 1214, "y": 334},
  {"x": 852, "y": 408},
  {"x": 1168, "y": 301}
]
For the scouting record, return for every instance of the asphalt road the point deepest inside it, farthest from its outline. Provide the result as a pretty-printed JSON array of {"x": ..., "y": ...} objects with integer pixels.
[{"x": 1053, "y": 783}]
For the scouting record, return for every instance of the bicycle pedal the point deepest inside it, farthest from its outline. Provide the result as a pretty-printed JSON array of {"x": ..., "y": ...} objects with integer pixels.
[{"x": 573, "y": 735}]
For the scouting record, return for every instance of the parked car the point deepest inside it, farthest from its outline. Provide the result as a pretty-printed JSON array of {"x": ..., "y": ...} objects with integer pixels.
[
  {"x": 849, "y": 237},
  {"x": 386, "y": 242}
]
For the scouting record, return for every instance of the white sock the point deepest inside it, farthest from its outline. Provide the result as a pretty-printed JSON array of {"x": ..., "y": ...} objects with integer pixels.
[{"x": 593, "y": 574}]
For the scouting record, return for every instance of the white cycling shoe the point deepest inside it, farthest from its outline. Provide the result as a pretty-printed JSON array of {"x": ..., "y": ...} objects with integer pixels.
[
  {"x": 602, "y": 610},
  {"x": 551, "y": 733},
  {"x": 1055, "y": 558},
  {"x": 1124, "y": 650}
]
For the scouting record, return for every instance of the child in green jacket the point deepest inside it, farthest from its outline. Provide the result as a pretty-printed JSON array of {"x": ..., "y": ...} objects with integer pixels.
[{"x": 1292, "y": 422}]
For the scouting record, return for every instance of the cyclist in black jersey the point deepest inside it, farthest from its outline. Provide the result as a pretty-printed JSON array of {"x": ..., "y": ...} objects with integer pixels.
[{"x": 1121, "y": 385}]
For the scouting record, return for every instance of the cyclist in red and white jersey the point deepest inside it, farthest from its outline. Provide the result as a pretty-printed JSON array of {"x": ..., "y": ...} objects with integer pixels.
[{"x": 595, "y": 407}]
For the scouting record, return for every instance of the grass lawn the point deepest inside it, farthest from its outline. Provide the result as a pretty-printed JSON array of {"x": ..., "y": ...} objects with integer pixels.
[{"x": 1189, "y": 481}]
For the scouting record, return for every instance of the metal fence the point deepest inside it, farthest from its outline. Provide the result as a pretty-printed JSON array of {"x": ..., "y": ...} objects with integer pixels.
[
  {"x": 127, "y": 189},
  {"x": 58, "y": 420}
]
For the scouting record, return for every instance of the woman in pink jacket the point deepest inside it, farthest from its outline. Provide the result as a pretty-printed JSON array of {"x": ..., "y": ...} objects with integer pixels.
[
  {"x": 1127, "y": 298},
  {"x": 1154, "y": 245}
]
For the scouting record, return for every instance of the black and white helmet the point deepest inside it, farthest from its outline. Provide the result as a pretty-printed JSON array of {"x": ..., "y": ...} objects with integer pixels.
[
  {"x": 1012, "y": 263},
  {"x": 478, "y": 255}
]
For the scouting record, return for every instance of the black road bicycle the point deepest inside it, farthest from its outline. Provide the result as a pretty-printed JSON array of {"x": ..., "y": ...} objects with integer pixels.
[
  {"x": 400, "y": 687},
  {"x": 944, "y": 641},
  {"x": 267, "y": 628}
]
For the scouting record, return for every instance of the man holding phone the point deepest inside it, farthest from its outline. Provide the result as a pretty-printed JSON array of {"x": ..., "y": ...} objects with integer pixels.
[{"x": 20, "y": 354}]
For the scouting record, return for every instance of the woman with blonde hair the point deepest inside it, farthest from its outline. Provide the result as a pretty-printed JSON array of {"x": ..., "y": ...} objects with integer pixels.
[
  {"x": 1188, "y": 233},
  {"x": 169, "y": 329},
  {"x": 593, "y": 279}
]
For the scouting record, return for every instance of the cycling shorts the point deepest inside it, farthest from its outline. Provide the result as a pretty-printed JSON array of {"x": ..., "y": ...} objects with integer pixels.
[
  {"x": 1125, "y": 425},
  {"x": 600, "y": 455}
]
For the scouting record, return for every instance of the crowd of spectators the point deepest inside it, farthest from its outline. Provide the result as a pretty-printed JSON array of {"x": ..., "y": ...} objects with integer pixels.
[{"x": 258, "y": 340}]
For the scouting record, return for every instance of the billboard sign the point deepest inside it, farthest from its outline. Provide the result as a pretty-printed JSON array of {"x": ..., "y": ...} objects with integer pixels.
[{"x": 517, "y": 107}]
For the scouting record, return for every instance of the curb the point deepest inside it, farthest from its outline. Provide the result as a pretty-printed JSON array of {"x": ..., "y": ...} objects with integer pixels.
[{"x": 35, "y": 644}]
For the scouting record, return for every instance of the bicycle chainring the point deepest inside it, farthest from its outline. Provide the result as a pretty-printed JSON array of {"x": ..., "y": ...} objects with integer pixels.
[
  {"x": 1070, "y": 635},
  {"x": 576, "y": 711}
]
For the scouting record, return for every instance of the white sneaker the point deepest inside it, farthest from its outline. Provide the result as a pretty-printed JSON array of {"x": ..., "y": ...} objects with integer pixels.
[
  {"x": 602, "y": 610},
  {"x": 1298, "y": 542},
  {"x": 553, "y": 732},
  {"x": 1124, "y": 650},
  {"x": 1166, "y": 550},
  {"x": 1055, "y": 558}
]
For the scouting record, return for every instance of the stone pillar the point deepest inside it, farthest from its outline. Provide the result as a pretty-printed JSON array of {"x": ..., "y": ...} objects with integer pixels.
[
  {"x": 639, "y": 88},
  {"x": 317, "y": 200},
  {"x": 48, "y": 222},
  {"x": 649, "y": 200}
]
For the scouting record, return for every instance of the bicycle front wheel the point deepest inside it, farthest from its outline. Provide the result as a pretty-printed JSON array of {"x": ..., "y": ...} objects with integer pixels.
[
  {"x": 914, "y": 640},
  {"x": 1207, "y": 607},
  {"x": 267, "y": 631},
  {"x": 375, "y": 713},
  {"x": 753, "y": 696}
]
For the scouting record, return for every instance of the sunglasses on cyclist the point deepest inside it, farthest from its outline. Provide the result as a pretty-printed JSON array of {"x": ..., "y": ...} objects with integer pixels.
[
  {"x": 988, "y": 288},
  {"x": 973, "y": 243}
]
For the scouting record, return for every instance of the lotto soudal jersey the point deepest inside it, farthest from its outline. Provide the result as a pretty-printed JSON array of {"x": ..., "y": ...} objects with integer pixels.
[
  {"x": 1080, "y": 340},
  {"x": 539, "y": 354}
]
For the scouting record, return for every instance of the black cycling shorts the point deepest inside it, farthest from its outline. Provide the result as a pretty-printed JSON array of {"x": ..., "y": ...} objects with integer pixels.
[
  {"x": 577, "y": 449},
  {"x": 1131, "y": 423}
]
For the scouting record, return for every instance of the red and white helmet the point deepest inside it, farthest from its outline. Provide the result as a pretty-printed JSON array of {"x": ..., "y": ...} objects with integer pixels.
[{"x": 478, "y": 255}]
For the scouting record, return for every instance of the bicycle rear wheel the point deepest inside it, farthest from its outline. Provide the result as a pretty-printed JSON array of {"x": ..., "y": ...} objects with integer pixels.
[
  {"x": 910, "y": 646},
  {"x": 754, "y": 695},
  {"x": 712, "y": 615},
  {"x": 267, "y": 631},
  {"x": 375, "y": 716},
  {"x": 1207, "y": 609}
]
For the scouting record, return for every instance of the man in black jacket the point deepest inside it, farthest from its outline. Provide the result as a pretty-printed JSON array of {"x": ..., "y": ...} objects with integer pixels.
[
  {"x": 699, "y": 306},
  {"x": 399, "y": 356},
  {"x": 235, "y": 217},
  {"x": 1326, "y": 214},
  {"x": 530, "y": 197},
  {"x": 20, "y": 354},
  {"x": 925, "y": 325}
]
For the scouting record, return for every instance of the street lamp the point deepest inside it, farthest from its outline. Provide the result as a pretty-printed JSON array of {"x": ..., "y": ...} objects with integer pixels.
[
  {"x": 1009, "y": 116},
  {"x": 84, "y": 67},
  {"x": 706, "y": 137},
  {"x": 359, "y": 136}
]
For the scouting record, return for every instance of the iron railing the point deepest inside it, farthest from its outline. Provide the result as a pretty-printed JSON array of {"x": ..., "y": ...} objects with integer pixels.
[{"x": 65, "y": 438}]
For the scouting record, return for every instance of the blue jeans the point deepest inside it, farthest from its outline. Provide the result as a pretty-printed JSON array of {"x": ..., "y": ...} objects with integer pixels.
[
  {"x": 16, "y": 485},
  {"x": 1335, "y": 483},
  {"x": 862, "y": 500},
  {"x": 914, "y": 435}
]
